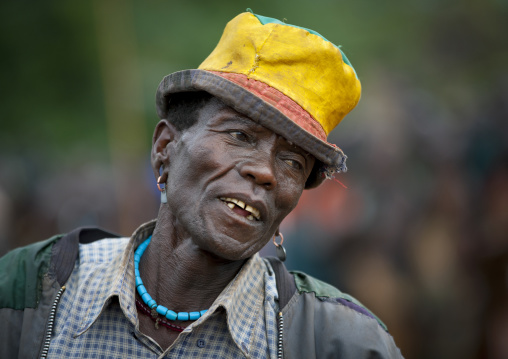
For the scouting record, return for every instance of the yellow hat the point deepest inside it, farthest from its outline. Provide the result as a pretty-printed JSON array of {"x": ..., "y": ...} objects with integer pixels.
[{"x": 289, "y": 79}]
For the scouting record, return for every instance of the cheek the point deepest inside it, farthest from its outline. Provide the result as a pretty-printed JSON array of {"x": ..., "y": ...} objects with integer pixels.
[
  {"x": 197, "y": 159},
  {"x": 289, "y": 194}
]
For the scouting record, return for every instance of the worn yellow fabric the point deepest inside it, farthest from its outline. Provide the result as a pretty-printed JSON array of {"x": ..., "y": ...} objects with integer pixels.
[{"x": 303, "y": 66}]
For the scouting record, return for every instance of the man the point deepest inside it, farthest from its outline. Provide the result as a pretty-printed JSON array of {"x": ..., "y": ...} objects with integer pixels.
[{"x": 239, "y": 139}]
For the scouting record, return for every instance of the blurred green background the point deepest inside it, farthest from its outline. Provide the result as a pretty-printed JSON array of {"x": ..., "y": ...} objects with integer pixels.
[{"x": 420, "y": 234}]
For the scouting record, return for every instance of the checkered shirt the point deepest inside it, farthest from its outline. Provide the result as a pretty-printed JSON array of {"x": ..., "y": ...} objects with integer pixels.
[{"x": 97, "y": 315}]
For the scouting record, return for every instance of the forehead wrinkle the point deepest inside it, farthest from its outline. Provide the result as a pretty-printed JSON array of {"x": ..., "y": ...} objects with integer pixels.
[{"x": 235, "y": 117}]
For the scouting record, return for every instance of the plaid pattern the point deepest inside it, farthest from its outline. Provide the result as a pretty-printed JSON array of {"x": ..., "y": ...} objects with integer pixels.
[{"x": 97, "y": 316}]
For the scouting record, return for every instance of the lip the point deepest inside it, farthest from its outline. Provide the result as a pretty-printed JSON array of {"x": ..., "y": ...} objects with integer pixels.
[{"x": 256, "y": 203}]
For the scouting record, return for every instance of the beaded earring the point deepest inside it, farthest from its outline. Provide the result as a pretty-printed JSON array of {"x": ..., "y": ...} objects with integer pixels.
[{"x": 164, "y": 198}]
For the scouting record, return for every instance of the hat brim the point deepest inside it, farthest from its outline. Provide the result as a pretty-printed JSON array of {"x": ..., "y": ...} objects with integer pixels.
[{"x": 256, "y": 109}]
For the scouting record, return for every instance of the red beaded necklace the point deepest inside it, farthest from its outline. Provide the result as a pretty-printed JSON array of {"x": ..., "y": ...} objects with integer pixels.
[{"x": 157, "y": 319}]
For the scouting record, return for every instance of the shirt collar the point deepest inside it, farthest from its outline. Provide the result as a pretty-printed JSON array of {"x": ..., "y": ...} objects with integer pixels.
[
  {"x": 243, "y": 298},
  {"x": 118, "y": 279}
]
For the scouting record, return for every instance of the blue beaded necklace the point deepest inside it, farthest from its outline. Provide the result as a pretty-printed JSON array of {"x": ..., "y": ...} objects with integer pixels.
[{"x": 162, "y": 310}]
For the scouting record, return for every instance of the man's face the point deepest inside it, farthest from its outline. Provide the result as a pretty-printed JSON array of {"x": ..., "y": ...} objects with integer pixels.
[{"x": 231, "y": 182}]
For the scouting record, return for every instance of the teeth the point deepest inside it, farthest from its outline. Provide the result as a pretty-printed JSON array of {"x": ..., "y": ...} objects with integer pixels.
[
  {"x": 231, "y": 202},
  {"x": 252, "y": 210}
]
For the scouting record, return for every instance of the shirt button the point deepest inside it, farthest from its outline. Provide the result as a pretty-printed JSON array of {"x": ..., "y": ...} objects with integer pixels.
[{"x": 201, "y": 343}]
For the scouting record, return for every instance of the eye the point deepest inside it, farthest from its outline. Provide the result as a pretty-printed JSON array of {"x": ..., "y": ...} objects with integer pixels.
[
  {"x": 239, "y": 135},
  {"x": 294, "y": 163}
]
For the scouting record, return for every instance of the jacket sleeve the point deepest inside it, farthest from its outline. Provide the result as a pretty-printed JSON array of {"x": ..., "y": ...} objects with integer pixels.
[
  {"x": 23, "y": 277},
  {"x": 327, "y": 328}
]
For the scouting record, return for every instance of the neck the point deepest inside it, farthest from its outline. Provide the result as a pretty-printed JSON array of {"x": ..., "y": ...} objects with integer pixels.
[{"x": 177, "y": 273}]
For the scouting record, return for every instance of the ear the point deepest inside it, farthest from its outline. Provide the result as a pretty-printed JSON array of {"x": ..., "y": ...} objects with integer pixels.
[{"x": 165, "y": 133}]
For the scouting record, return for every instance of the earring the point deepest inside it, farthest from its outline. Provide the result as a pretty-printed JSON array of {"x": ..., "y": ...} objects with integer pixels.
[
  {"x": 281, "y": 252},
  {"x": 164, "y": 198}
]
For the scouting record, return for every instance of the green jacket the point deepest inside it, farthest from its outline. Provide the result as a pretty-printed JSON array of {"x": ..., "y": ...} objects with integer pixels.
[{"x": 316, "y": 320}]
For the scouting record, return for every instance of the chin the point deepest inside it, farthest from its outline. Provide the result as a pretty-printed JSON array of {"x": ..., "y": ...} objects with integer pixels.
[{"x": 225, "y": 247}]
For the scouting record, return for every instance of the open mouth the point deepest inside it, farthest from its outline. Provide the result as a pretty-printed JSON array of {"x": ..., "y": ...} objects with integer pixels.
[{"x": 239, "y": 207}]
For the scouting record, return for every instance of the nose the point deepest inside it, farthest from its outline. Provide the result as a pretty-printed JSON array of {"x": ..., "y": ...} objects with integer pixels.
[{"x": 261, "y": 171}]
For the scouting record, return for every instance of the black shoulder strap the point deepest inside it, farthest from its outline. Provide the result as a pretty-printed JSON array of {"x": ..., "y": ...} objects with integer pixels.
[
  {"x": 65, "y": 251},
  {"x": 286, "y": 285}
]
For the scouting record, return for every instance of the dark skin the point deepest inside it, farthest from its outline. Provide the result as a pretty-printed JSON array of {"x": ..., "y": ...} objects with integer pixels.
[{"x": 200, "y": 243}]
